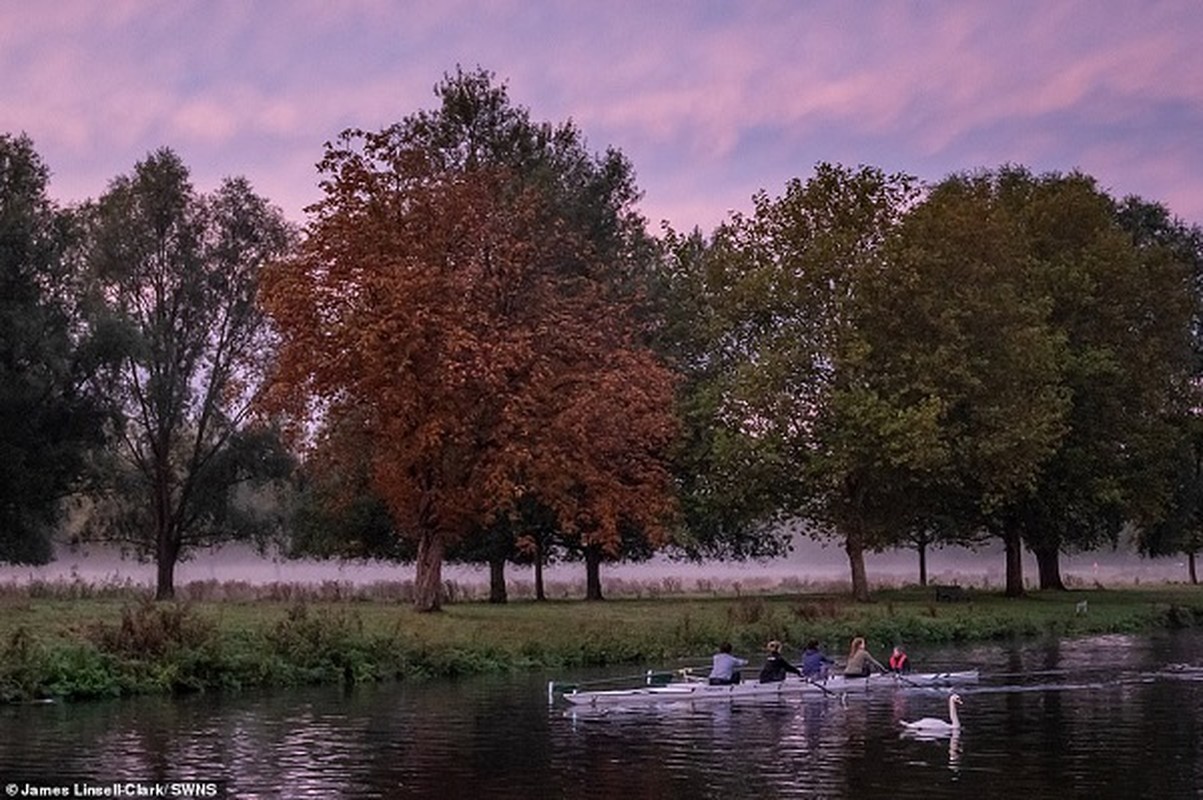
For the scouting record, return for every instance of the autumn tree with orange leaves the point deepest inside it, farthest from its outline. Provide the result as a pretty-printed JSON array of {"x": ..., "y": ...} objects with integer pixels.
[{"x": 466, "y": 292}]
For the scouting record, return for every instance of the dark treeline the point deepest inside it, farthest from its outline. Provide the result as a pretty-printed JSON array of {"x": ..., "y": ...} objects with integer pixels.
[{"x": 476, "y": 350}]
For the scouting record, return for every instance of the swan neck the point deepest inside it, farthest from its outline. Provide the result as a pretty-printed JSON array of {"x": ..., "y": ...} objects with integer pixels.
[{"x": 952, "y": 713}]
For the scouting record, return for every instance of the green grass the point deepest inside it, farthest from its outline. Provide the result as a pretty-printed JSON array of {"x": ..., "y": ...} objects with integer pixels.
[{"x": 111, "y": 644}]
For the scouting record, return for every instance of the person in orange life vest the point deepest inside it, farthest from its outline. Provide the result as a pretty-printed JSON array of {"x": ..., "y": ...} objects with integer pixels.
[{"x": 899, "y": 661}]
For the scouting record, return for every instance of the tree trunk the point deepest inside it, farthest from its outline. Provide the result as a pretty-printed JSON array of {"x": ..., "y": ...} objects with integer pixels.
[
  {"x": 923, "y": 563},
  {"x": 1014, "y": 545},
  {"x": 593, "y": 572},
  {"x": 1048, "y": 562},
  {"x": 855, "y": 548},
  {"x": 167, "y": 545},
  {"x": 1190, "y": 561},
  {"x": 497, "y": 580},
  {"x": 540, "y": 594},
  {"x": 166, "y": 554},
  {"x": 428, "y": 577}
]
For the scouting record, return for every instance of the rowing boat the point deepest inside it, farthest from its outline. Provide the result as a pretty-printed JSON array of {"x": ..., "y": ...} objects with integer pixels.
[{"x": 667, "y": 687}]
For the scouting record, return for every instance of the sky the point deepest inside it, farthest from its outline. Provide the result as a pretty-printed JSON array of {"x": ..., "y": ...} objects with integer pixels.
[{"x": 711, "y": 101}]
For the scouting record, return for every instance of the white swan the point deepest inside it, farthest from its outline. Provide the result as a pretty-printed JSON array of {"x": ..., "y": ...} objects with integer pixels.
[{"x": 932, "y": 725}]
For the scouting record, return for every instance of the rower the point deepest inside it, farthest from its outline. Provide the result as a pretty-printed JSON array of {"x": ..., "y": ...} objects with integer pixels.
[
  {"x": 725, "y": 671},
  {"x": 899, "y": 662},
  {"x": 814, "y": 662},
  {"x": 860, "y": 660},
  {"x": 775, "y": 665}
]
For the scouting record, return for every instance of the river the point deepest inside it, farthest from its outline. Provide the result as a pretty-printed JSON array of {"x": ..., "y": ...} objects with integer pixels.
[{"x": 1115, "y": 716}]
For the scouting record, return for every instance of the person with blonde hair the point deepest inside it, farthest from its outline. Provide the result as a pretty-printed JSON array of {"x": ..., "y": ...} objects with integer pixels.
[
  {"x": 775, "y": 666},
  {"x": 860, "y": 660}
]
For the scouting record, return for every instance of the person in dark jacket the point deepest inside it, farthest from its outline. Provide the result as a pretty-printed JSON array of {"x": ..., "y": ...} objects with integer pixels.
[{"x": 775, "y": 665}]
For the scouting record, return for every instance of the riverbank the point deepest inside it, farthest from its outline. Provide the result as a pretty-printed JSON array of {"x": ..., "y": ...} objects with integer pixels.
[{"x": 114, "y": 643}]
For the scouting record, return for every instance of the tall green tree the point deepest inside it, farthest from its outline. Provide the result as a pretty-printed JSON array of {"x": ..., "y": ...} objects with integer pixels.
[
  {"x": 48, "y": 348},
  {"x": 1175, "y": 525},
  {"x": 1170, "y": 522},
  {"x": 778, "y": 374},
  {"x": 958, "y": 321},
  {"x": 727, "y": 483},
  {"x": 180, "y": 272},
  {"x": 1124, "y": 312}
]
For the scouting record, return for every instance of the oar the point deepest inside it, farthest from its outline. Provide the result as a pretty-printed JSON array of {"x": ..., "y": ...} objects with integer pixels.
[{"x": 820, "y": 686}]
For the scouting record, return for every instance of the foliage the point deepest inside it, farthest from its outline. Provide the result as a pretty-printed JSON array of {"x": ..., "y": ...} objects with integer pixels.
[
  {"x": 997, "y": 355},
  {"x": 1171, "y": 520},
  {"x": 464, "y": 295},
  {"x": 958, "y": 326},
  {"x": 728, "y": 489},
  {"x": 48, "y": 347},
  {"x": 338, "y": 512},
  {"x": 1124, "y": 312},
  {"x": 782, "y": 418},
  {"x": 178, "y": 272},
  {"x": 152, "y": 629},
  {"x": 21, "y": 667},
  {"x": 80, "y": 671},
  {"x": 326, "y": 645}
]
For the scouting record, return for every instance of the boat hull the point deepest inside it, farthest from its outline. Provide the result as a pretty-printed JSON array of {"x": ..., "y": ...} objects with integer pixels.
[{"x": 700, "y": 691}]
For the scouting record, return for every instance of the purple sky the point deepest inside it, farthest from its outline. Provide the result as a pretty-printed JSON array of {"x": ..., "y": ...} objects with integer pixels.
[{"x": 711, "y": 100}]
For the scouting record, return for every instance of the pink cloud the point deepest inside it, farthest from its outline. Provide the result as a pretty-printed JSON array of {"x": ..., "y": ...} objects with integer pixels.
[{"x": 711, "y": 101}]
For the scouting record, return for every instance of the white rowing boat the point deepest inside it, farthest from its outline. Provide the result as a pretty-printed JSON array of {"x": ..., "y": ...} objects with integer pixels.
[{"x": 667, "y": 687}]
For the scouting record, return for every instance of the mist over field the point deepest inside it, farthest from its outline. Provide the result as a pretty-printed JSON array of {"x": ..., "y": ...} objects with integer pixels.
[{"x": 811, "y": 566}]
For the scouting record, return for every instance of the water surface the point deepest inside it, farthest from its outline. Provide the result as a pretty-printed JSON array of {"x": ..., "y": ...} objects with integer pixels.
[{"x": 1100, "y": 717}]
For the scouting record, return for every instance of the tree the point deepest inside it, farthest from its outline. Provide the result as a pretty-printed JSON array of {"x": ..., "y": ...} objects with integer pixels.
[
  {"x": 1176, "y": 526},
  {"x": 48, "y": 347},
  {"x": 466, "y": 289},
  {"x": 958, "y": 320},
  {"x": 180, "y": 272},
  {"x": 881, "y": 366},
  {"x": 779, "y": 375},
  {"x": 1124, "y": 312},
  {"x": 338, "y": 513},
  {"x": 1170, "y": 521},
  {"x": 726, "y": 483}
]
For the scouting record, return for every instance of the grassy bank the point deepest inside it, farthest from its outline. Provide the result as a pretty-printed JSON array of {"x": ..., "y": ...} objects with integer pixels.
[{"x": 109, "y": 644}]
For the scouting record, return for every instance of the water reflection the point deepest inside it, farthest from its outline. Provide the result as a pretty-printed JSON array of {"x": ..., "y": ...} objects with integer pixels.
[{"x": 1102, "y": 717}]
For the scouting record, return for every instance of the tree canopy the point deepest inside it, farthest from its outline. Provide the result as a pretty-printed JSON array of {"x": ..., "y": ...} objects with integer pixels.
[
  {"x": 785, "y": 421},
  {"x": 49, "y": 418},
  {"x": 465, "y": 289},
  {"x": 992, "y": 354},
  {"x": 177, "y": 272}
]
